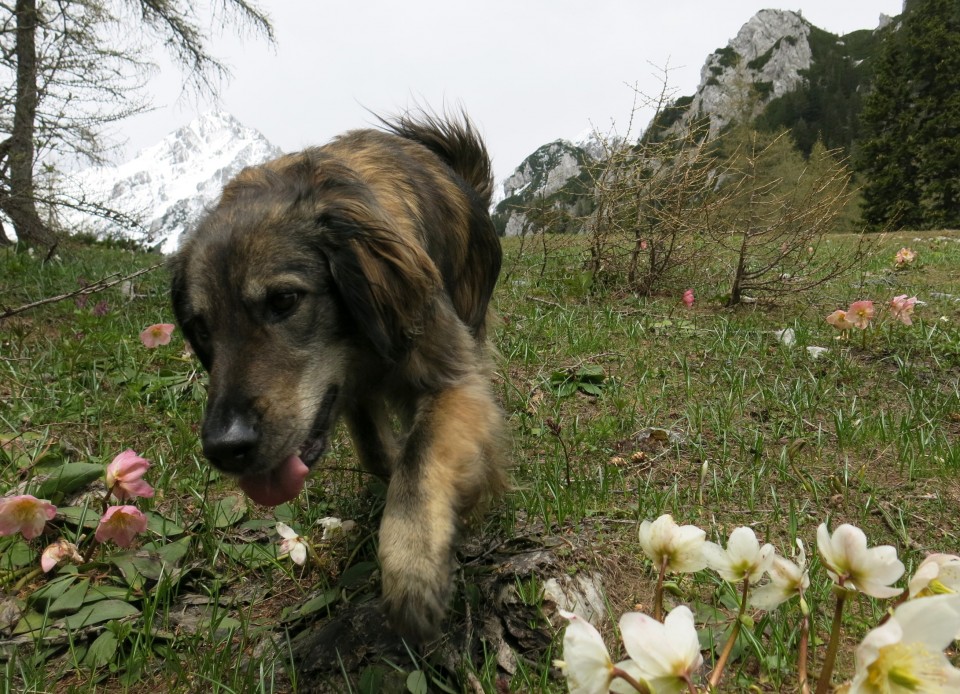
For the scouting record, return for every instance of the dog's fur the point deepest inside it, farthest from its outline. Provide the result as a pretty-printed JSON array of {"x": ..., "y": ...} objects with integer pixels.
[{"x": 352, "y": 280}]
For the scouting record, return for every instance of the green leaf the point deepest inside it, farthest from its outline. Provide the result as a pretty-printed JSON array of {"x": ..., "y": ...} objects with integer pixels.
[
  {"x": 102, "y": 650},
  {"x": 314, "y": 604},
  {"x": 97, "y": 613},
  {"x": 371, "y": 680},
  {"x": 66, "y": 479},
  {"x": 71, "y": 599},
  {"x": 79, "y": 515},
  {"x": 229, "y": 510},
  {"x": 591, "y": 373},
  {"x": 417, "y": 682},
  {"x": 591, "y": 389},
  {"x": 162, "y": 526},
  {"x": 15, "y": 553},
  {"x": 358, "y": 574},
  {"x": 52, "y": 590}
]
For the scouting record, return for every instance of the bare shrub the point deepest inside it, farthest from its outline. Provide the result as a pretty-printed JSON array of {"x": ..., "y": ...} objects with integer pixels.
[{"x": 772, "y": 224}]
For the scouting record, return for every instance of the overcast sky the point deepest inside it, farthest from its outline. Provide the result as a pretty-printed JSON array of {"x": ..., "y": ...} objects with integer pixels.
[{"x": 527, "y": 71}]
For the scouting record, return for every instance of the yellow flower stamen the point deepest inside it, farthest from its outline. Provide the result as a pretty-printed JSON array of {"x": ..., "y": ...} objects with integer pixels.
[{"x": 906, "y": 667}]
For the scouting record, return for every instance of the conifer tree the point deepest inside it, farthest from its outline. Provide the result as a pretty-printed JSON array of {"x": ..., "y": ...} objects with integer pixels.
[{"x": 910, "y": 151}]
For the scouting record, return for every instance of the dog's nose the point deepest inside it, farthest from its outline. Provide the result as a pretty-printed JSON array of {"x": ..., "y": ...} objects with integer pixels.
[{"x": 229, "y": 445}]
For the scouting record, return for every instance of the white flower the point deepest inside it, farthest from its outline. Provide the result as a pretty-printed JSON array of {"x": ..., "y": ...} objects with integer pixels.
[
  {"x": 744, "y": 558},
  {"x": 334, "y": 526},
  {"x": 787, "y": 336},
  {"x": 586, "y": 663},
  {"x": 680, "y": 546},
  {"x": 906, "y": 654},
  {"x": 937, "y": 574},
  {"x": 292, "y": 544},
  {"x": 664, "y": 655},
  {"x": 853, "y": 566},
  {"x": 816, "y": 352},
  {"x": 787, "y": 579}
]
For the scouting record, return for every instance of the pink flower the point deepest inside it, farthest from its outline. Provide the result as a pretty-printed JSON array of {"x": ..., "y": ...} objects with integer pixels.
[
  {"x": 838, "y": 319},
  {"x": 688, "y": 298},
  {"x": 57, "y": 552},
  {"x": 25, "y": 514},
  {"x": 156, "y": 335},
  {"x": 902, "y": 308},
  {"x": 124, "y": 476},
  {"x": 904, "y": 256},
  {"x": 860, "y": 313},
  {"x": 643, "y": 244},
  {"x": 101, "y": 309},
  {"x": 121, "y": 524}
]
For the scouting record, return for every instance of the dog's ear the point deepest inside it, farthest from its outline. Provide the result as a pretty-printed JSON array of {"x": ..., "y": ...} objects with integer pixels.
[
  {"x": 177, "y": 267},
  {"x": 385, "y": 279}
]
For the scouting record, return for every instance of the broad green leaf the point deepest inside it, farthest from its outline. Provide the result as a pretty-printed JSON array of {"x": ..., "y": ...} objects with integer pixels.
[
  {"x": 95, "y": 593},
  {"x": 98, "y": 613},
  {"x": 31, "y": 621},
  {"x": 417, "y": 682},
  {"x": 592, "y": 373},
  {"x": 314, "y": 604},
  {"x": 358, "y": 574},
  {"x": 102, "y": 650},
  {"x": 66, "y": 479},
  {"x": 229, "y": 510},
  {"x": 371, "y": 680},
  {"x": 15, "y": 553},
  {"x": 591, "y": 389},
  {"x": 52, "y": 590},
  {"x": 78, "y": 515},
  {"x": 71, "y": 599},
  {"x": 162, "y": 526}
]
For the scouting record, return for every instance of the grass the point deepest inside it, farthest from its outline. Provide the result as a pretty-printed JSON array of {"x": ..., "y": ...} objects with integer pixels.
[{"x": 622, "y": 408}]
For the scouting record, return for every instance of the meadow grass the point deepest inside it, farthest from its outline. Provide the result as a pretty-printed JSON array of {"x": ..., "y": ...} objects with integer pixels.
[{"x": 621, "y": 408}]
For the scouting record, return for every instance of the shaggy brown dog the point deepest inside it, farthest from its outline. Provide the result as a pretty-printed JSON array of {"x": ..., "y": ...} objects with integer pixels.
[{"x": 352, "y": 280}]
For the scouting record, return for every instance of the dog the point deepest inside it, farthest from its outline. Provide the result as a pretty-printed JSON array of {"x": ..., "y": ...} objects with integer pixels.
[{"x": 352, "y": 281}]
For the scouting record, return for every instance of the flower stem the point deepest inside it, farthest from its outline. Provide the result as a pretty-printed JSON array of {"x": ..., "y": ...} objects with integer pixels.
[
  {"x": 728, "y": 646},
  {"x": 823, "y": 684},
  {"x": 658, "y": 593},
  {"x": 802, "y": 656},
  {"x": 626, "y": 677}
]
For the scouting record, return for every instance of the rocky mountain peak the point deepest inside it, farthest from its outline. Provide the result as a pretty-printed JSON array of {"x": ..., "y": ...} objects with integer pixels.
[
  {"x": 761, "y": 63},
  {"x": 168, "y": 185}
]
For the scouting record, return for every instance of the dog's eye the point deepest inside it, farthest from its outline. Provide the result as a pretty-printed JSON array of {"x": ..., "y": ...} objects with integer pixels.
[
  {"x": 198, "y": 328},
  {"x": 281, "y": 304}
]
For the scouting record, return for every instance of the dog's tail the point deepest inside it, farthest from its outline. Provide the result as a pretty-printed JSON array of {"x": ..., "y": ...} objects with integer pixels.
[{"x": 453, "y": 139}]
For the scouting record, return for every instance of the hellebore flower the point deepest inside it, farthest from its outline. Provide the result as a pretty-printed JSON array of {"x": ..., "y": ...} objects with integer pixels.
[
  {"x": 688, "y": 298},
  {"x": 855, "y": 567},
  {"x": 902, "y": 308},
  {"x": 664, "y": 655},
  {"x": 906, "y": 653},
  {"x": 156, "y": 335},
  {"x": 121, "y": 524},
  {"x": 743, "y": 558},
  {"x": 787, "y": 579},
  {"x": 904, "y": 256},
  {"x": 680, "y": 546},
  {"x": 124, "y": 476},
  {"x": 25, "y": 514},
  {"x": 292, "y": 544},
  {"x": 838, "y": 319},
  {"x": 860, "y": 314}
]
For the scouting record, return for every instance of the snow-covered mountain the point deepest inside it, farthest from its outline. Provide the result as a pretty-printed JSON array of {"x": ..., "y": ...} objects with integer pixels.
[{"x": 167, "y": 186}]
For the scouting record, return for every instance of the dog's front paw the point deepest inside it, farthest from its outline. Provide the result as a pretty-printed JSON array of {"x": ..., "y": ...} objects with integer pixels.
[
  {"x": 416, "y": 563},
  {"x": 415, "y": 605}
]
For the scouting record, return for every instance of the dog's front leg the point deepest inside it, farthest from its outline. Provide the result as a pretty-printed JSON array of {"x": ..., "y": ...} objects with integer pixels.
[{"x": 449, "y": 460}]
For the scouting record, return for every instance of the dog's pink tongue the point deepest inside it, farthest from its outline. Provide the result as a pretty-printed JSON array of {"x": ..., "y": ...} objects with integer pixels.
[{"x": 278, "y": 486}]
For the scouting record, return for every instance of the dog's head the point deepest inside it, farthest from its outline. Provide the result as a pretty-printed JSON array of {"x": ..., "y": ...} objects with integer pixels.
[{"x": 297, "y": 277}]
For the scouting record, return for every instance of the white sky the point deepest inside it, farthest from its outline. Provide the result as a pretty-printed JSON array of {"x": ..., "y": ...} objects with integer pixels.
[{"x": 527, "y": 71}]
